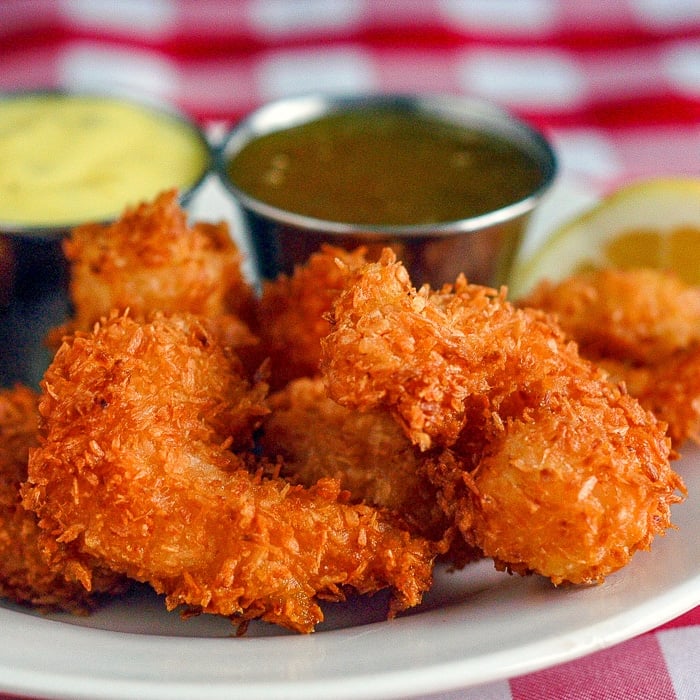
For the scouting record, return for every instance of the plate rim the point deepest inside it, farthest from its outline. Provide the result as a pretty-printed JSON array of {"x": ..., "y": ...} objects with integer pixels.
[{"x": 434, "y": 677}]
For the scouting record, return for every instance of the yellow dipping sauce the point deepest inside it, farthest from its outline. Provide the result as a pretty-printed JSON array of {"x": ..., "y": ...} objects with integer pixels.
[
  {"x": 384, "y": 167},
  {"x": 66, "y": 159}
]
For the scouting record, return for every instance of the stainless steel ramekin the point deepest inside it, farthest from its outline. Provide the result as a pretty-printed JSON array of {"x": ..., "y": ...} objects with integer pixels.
[{"x": 483, "y": 247}]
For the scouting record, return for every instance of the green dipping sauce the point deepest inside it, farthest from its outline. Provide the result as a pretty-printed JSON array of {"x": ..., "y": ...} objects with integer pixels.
[{"x": 380, "y": 166}]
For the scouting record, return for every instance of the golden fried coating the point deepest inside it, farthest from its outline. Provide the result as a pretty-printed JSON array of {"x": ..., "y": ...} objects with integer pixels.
[
  {"x": 151, "y": 260},
  {"x": 502, "y": 389},
  {"x": 670, "y": 390},
  {"x": 291, "y": 312},
  {"x": 387, "y": 348},
  {"x": 643, "y": 326},
  {"x": 367, "y": 453},
  {"x": 25, "y": 576},
  {"x": 137, "y": 471},
  {"x": 423, "y": 353},
  {"x": 641, "y": 315},
  {"x": 542, "y": 499}
]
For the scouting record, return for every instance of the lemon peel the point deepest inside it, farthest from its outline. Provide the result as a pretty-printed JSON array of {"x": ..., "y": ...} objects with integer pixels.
[{"x": 650, "y": 223}]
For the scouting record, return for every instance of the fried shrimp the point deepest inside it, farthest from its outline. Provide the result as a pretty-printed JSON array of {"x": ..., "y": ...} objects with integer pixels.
[
  {"x": 142, "y": 469},
  {"x": 151, "y": 260},
  {"x": 642, "y": 315},
  {"x": 542, "y": 499},
  {"x": 670, "y": 390},
  {"x": 643, "y": 326},
  {"x": 291, "y": 312},
  {"x": 545, "y": 465},
  {"x": 387, "y": 348},
  {"x": 25, "y": 576},
  {"x": 367, "y": 453}
]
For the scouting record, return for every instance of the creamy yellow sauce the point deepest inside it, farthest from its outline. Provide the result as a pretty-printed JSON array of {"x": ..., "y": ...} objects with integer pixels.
[{"x": 69, "y": 159}]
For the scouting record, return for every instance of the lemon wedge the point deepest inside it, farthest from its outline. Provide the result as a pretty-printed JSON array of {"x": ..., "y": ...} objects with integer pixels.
[{"x": 651, "y": 223}]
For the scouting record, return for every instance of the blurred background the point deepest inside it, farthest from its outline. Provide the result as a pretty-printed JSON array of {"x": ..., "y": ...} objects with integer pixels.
[{"x": 614, "y": 83}]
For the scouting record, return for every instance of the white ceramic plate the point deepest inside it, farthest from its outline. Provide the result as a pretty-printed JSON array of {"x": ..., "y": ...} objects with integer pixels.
[{"x": 475, "y": 626}]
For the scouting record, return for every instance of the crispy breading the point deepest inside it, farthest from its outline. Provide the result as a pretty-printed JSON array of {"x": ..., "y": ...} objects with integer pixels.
[
  {"x": 670, "y": 390},
  {"x": 291, "y": 312},
  {"x": 641, "y": 315},
  {"x": 140, "y": 469},
  {"x": 150, "y": 259},
  {"x": 502, "y": 389},
  {"x": 562, "y": 493},
  {"x": 643, "y": 326},
  {"x": 25, "y": 576},
  {"x": 366, "y": 452}
]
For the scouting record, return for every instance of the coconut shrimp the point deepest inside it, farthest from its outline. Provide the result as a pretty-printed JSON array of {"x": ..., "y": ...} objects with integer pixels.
[
  {"x": 144, "y": 469},
  {"x": 543, "y": 460}
]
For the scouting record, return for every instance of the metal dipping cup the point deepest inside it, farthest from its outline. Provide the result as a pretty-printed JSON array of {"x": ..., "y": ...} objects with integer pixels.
[
  {"x": 482, "y": 247},
  {"x": 33, "y": 270}
]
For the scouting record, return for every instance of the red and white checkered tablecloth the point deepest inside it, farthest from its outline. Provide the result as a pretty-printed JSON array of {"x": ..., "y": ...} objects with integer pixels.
[{"x": 614, "y": 83}]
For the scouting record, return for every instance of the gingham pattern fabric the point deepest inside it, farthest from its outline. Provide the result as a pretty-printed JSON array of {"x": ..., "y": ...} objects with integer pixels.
[{"x": 614, "y": 83}]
